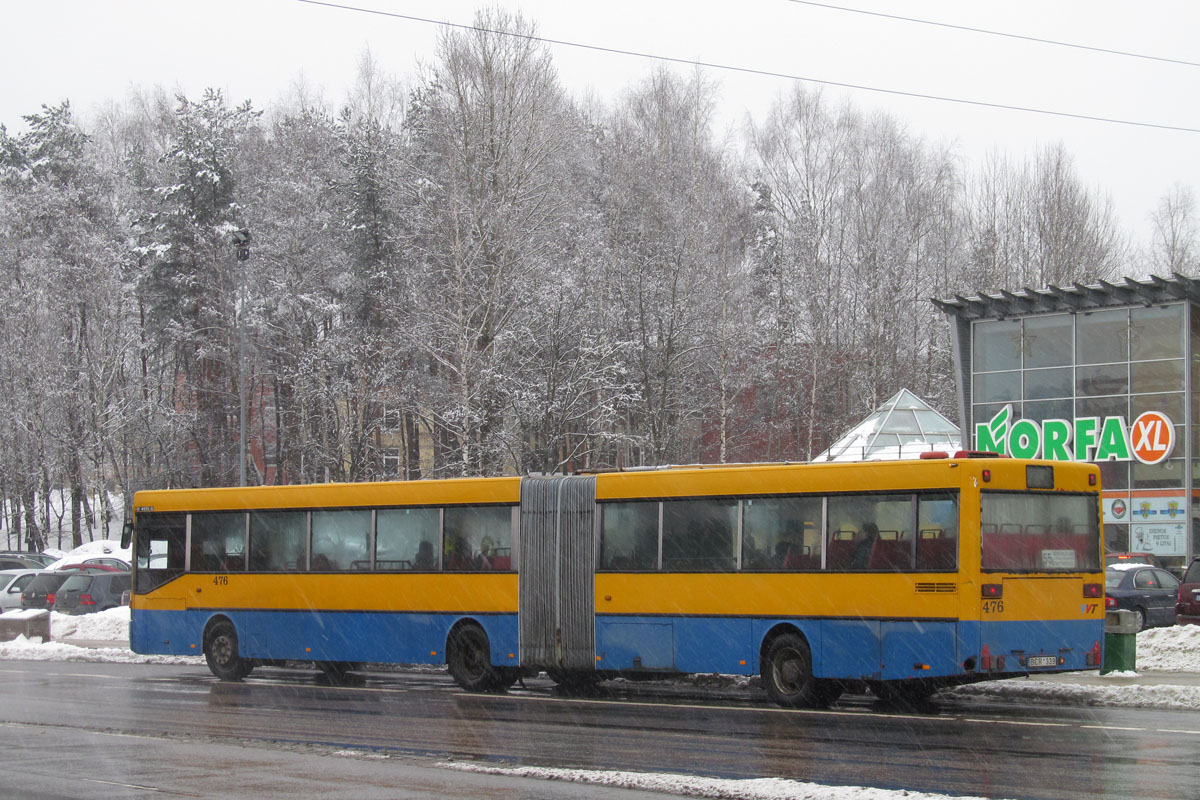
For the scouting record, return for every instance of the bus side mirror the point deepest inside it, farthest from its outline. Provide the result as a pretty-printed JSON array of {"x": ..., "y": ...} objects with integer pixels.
[{"x": 127, "y": 534}]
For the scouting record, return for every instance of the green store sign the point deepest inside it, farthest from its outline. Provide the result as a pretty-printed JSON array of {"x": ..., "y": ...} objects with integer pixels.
[{"x": 1150, "y": 439}]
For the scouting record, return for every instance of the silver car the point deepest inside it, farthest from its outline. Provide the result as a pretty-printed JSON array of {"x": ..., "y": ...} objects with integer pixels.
[{"x": 12, "y": 583}]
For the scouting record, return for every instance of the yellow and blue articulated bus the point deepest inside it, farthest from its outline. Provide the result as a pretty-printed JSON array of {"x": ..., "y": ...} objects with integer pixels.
[{"x": 899, "y": 577}]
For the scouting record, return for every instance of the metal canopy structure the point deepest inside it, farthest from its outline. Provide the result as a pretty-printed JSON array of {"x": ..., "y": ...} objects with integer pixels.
[
  {"x": 903, "y": 427},
  {"x": 1002, "y": 304}
]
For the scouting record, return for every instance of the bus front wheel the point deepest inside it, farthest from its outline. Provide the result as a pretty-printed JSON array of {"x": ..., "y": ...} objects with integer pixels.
[
  {"x": 469, "y": 656},
  {"x": 787, "y": 674},
  {"x": 221, "y": 653}
]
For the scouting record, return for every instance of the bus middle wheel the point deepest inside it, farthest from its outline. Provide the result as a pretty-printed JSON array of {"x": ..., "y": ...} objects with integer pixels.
[
  {"x": 787, "y": 674},
  {"x": 469, "y": 657}
]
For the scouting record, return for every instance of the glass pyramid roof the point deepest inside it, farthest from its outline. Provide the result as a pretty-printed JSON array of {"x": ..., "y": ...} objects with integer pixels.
[{"x": 903, "y": 427}]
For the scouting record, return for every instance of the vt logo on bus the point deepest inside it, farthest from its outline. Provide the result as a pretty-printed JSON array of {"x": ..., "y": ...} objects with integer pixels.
[{"x": 1150, "y": 439}]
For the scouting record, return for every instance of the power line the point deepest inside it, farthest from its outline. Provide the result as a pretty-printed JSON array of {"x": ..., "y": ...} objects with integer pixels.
[
  {"x": 997, "y": 33},
  {"x": 753, "y": 71}
]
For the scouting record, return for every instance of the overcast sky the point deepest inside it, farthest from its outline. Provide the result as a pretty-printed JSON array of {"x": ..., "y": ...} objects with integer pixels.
[{"x": 91, "y": 51}]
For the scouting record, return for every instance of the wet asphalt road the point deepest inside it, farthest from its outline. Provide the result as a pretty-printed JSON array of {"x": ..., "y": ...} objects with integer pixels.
[{"x": 169, "y": 729}]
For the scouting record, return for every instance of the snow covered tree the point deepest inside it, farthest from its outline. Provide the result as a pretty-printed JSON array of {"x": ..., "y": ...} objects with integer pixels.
[
  {"x": 488, "y": 125},
  {"x": 193, "y": 283}
]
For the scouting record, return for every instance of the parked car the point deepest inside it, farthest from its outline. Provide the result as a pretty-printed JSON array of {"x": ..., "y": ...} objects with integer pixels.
[
  {"x": 1187, "y": 609},
  {"x": 107, "y": 561},
  {"x": 12, "y": 583},
  {"x": 1149, "y": 592},
  {"x": 40, "y": 559},
  {"x": 92, "y": 566},
  {"x": 84, "y": 593},
  {"x": 39, "y": 593},
  {"x": 18, "y": 562},
  {"x": 1132, "y": 558}
]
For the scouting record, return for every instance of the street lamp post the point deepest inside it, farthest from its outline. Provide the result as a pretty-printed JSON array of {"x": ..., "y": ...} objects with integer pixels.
[{"x": 241, "y": 240}]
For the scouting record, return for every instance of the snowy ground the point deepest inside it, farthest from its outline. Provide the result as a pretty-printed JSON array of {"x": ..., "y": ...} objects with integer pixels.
[{"x": 1168, "y": 661}]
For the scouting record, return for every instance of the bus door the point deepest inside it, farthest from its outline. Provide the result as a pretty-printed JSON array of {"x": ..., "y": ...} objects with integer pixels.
[{"x": 556, "y": 573}]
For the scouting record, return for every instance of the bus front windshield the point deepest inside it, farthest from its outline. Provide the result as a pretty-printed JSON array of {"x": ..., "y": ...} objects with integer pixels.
[{"x": 1040, "y": 532}]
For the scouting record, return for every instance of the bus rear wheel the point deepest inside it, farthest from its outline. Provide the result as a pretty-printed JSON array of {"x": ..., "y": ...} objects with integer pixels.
[
  {"x": 221, "y": 653},
  {"x": 787, "y": 675},
  {"x": 469, "y": 656}
]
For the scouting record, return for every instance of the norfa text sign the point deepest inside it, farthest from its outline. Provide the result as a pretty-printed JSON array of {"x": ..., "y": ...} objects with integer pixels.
[{"x": 1150, "y": 439}]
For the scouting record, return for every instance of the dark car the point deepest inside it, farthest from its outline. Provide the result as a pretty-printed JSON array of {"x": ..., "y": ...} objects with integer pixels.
[
  {"x": 40, "y": 591},
  {"x": 83, "y": 593},
  {"x": 1187, "y": 610},
  {"x": 1149, "y": 592}
]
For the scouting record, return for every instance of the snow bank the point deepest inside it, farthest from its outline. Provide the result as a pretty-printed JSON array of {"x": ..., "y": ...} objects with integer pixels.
[
  {"x": 693, "y": 786},
  {"x": 111, "y": 625},
  {"x": 1174, "y": 649},
  {"x": 104, "y": 626}
]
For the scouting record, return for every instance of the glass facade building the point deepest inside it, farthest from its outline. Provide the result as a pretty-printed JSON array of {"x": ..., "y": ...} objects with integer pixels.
[{"x": 1094, "y": 373}]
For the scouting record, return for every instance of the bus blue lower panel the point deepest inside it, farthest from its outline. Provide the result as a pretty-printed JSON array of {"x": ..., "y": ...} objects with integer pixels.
[
  {"x": 841, "y": 648},
  {"x": 322, "y": 635}
]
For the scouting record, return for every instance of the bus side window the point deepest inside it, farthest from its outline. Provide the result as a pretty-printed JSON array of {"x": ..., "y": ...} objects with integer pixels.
[
  {"x": 699, "y": 535},
  {"x": 882, "y": 526},
  {"x": 629, "y": 536},
  {"x": 219, "y": 542},
  {"x": 478, "y": 537},
  {"x": 781, "y": 533},
  {"x": 937, "y": 527},
  {"x": 406, "y": 539},
  {"x": 277, "y": 540},
  {"x": 339, "y": 538}
]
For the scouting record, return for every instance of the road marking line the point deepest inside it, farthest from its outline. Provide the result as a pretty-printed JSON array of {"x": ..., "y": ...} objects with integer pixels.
[
  {"x": 1019, "y": 722},
  {"x": 1111, "y": 728}
]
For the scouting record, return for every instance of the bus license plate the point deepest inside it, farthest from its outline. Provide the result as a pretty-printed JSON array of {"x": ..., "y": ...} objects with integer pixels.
[{"x": 1042, "y": 661}]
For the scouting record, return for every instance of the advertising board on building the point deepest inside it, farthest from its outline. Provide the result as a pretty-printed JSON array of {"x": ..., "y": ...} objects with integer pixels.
[{"x": 1150, "y": 439}]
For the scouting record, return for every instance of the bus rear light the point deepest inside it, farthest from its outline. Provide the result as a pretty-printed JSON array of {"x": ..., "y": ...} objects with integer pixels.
[
  {"x": 1091, "y": 479},
  {"x": 1093, "y": 590},
  {"x": 987, "y": 476},
  {"x": 1092, "y": 659},
  {"x": 992, "y": 590},
  {"x": 988, "y": 662}
]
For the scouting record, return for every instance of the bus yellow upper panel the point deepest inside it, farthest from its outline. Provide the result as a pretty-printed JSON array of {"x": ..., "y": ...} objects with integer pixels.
[
  {"x": 848, "y": 477},
  {"x": 334, "y": 495}
]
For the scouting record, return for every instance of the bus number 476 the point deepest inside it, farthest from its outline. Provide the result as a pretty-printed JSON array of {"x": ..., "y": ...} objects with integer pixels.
[{"x": 993, "y": 606}]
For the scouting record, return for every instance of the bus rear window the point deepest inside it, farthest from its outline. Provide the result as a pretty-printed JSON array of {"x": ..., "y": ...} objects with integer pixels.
[{"x": 1040, "y": 532}]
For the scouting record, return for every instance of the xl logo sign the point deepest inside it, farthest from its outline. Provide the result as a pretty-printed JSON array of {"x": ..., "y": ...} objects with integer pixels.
[{"x": 1150, "y": 439}]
